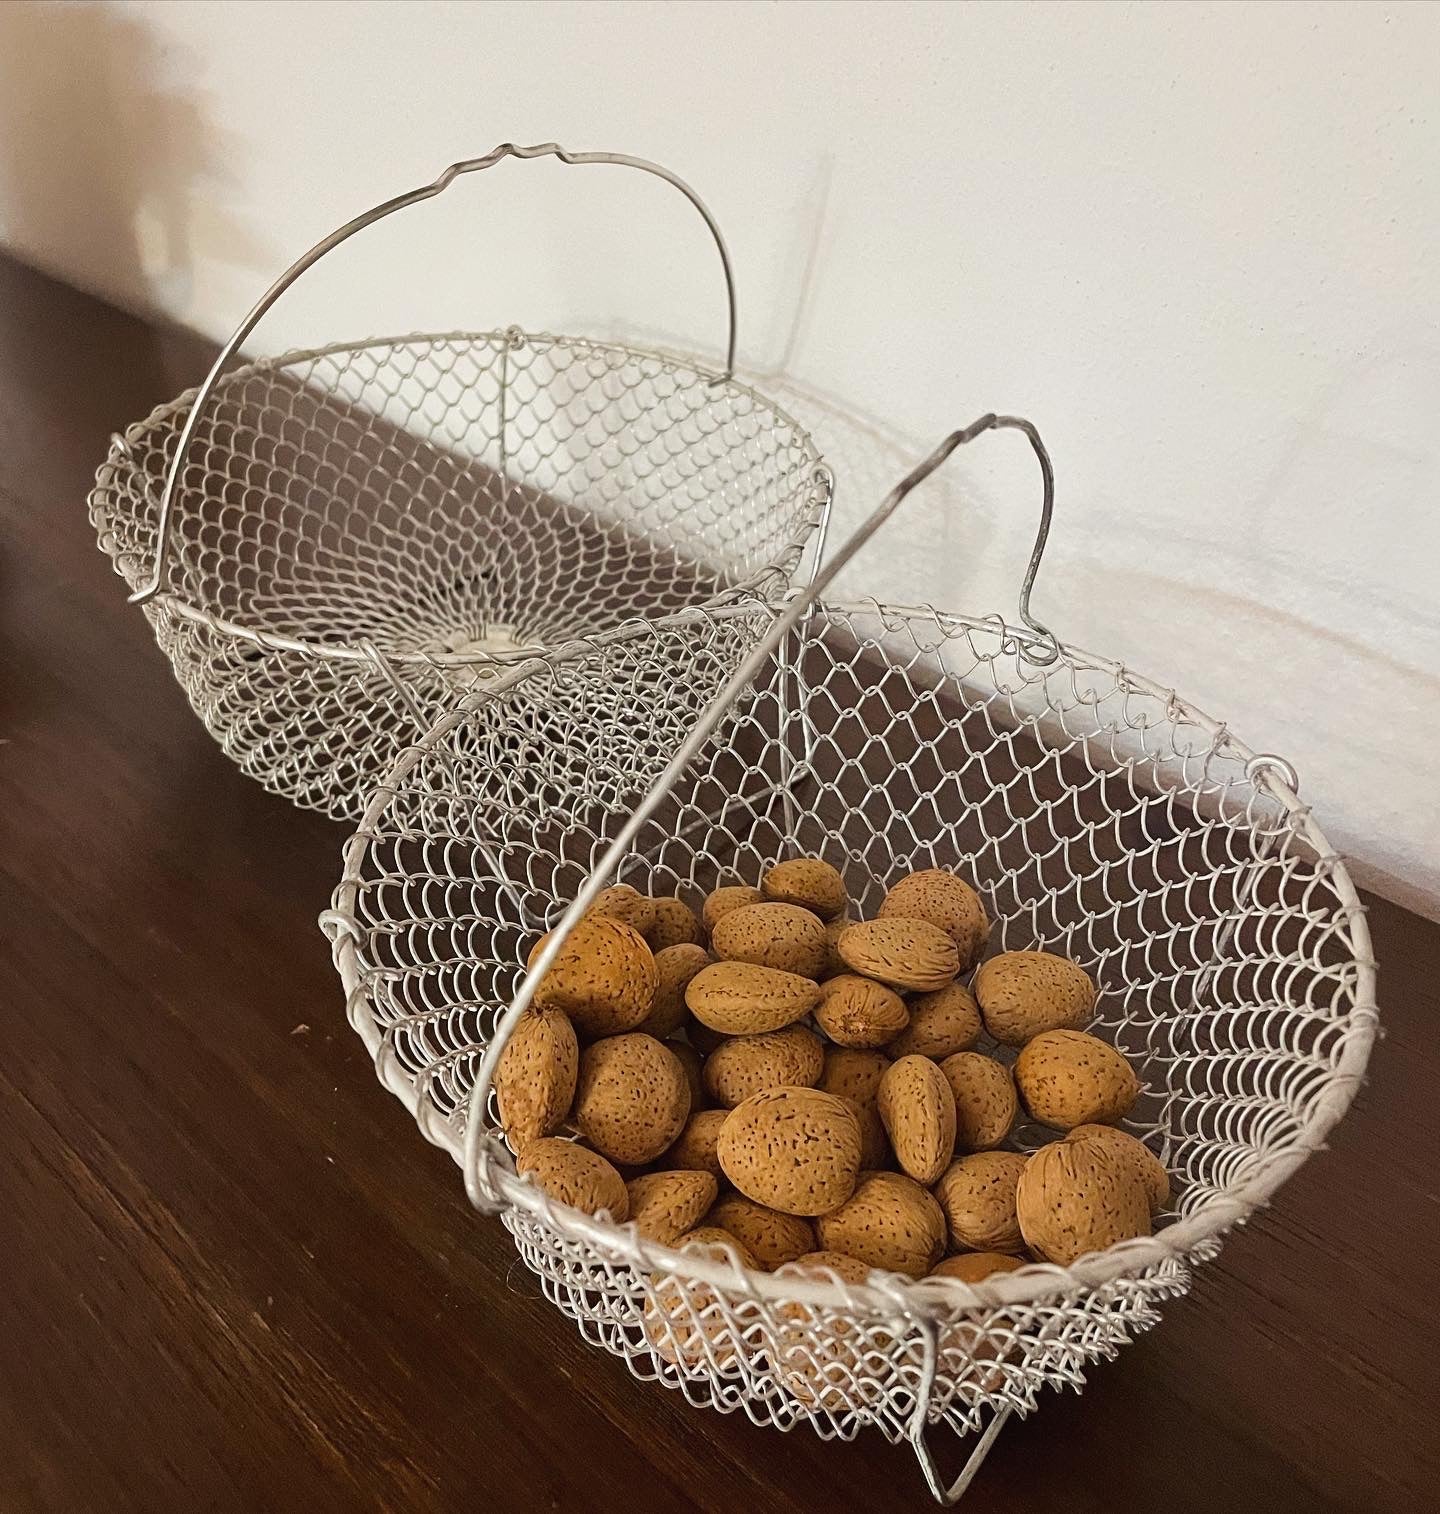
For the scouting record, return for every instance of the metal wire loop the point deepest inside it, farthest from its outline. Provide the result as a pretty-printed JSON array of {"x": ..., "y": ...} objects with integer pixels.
[{"x": 151, "y": 587}]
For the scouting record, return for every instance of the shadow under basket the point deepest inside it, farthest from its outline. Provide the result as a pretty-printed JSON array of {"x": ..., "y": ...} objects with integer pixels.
[{"x": 1100, "y": 817}]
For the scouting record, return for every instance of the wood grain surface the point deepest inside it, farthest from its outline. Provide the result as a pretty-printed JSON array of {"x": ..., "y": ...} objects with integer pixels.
[{"x": 236, "y": 1278}]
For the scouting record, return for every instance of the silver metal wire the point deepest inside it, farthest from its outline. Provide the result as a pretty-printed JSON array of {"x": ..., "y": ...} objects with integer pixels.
[
  {"x": 452, "y": 500},
  {"x": 1101, "y": 816}
]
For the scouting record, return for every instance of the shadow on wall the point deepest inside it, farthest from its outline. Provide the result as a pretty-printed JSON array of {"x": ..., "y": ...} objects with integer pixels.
[{"x": 109, "y": 174}]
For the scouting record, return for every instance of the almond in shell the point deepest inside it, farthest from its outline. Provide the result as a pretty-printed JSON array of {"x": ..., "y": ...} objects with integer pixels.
[
  {"x": 816, "y": 1350},
  {"x": 889, "y": 1222},
  {"x": 632, "y": 1098},
  {"x": 809, "y": 882},
  {"x": 985, "y": 1101},
  {"x": 770, "y": 1237},
  {"x": 1074, "y": 1197},
  {"x": 858, "y": 1012},
  {"x": 664, "y": 1205},
  {"x": 744, "y": 999},
  {"x": 674, "y": 924},
  {"x": 792, "y": 1149},
  {"x": 621, "y": 902},
  {"x": 833, "y": 930},
  {"x": 604, "y": 977},
  {"x": 681, "y": 1319},
  {"x": 854, "y": 1074},
  {"x": 1022, "y": 994},
  {"x": 689, "y": 1059},
  {"x": 571, "y": 1174},
  {"x": 535, "y": 1077},
  {"x": 1068, "y": 1078},
  {"x": 745, "y": 1065},
  {"x": 730, "y": 896},
  {"x": 918, "y": 1110},
  {"x": 903, "y": 953},
  {"x": 944, "y": 900},
  {"x": 1126, "y": 1148},
  {"x": 941, "y": 1023},
  {"x": 675, "y": 966},
  {"x": 695, "y": 1150},
  {"x": 976, "y": 1266},
  {"x": 782, "y": 936},
  {"x": 977, "y": 1193}
]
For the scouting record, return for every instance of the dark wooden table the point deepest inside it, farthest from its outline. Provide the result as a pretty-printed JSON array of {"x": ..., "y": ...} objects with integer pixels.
[{"x": 234, "y": 1277}]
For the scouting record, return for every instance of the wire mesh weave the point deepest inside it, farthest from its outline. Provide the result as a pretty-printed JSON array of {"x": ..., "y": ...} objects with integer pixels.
[
  {"x": 1100, "y": 816},
  {"x": 361, "y": 530}
]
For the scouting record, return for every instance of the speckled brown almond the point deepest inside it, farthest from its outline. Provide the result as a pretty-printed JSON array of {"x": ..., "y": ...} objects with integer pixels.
[
  {"x": 817, "y": 1351},
  {"x": 695, "y": 1150},
  {"x": 707, "y": 1236},
  {"x": 792, "y": 1149},
  {"x": 770, "y": 1237},
  {"x": 674, "y": 924},
  {"x": 976, "y": 1266},
  {"x": 604, "y": 977},
  {"x": 833, "y": 930},
  {"x": 854, "y": 1074},
  {"x": 743, "y": 999},
  {"x": 689, "y": 1059},
  {"x": 815, "y": 1264},
  {"x": 746, "y": 1065},
  {"x": 782, "y": 936},
  {"x": 858, "y": 1012},
  {"x": 675, "y": 966},
  {"x": 570, "y": 1174},
  {"x": 724, "y": 899},
  {"x": 1074, "y": 1197},
  {"x": 809, "y": 882},
  {"x": 1124, "y": 1147},
  {"x": 664, "y": 1205},
  {"x": 1067, "y": 1078},
  {"x": 680, "y": 1320},
  {"x": 941, "y": 1024},
  {"x": 943, "y": 900},
  {"x": 906, "y": 954},
  {"x": 632, "y": 1099},
  {"x": 535, "y": 1078},
  {"x": 977, "y": 1193},
  {"x": 918, "y": 1111},
  {"x": 621, "y": 902},
  {"x": 889, "y": 1222},
  {"x": 1022, "y": 994},
  {"x": 985, "y": 1100}
]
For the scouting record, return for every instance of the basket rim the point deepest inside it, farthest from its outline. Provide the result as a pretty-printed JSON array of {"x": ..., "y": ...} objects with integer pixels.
[
  {"x": 926, "y": 1298},
  {"x": 352, "y": 653}
]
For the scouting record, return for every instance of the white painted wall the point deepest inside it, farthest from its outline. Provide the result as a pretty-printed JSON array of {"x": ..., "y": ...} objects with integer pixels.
[{"x": 1198, "y": 245}]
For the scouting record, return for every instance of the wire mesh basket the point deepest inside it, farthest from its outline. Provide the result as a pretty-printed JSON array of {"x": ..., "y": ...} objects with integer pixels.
[
  {"x": 1101, "y": 817},
  {"x": 328, "y": 544}
]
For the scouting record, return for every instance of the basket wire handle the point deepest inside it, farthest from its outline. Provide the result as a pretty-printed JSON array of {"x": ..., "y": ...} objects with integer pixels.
[
  {"x": 148, "y": 590},
  {"x": 480, "y": 1147}
]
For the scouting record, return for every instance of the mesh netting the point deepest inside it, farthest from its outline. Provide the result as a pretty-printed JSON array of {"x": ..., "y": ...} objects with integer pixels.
[
  {"x": 360, "y": 531},
  {"x": 1099, "y": 816}
]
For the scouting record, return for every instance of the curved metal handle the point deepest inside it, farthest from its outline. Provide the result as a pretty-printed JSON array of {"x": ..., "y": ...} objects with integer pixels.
[
  {"x": 369, "y": 218},
  {"x": 700, "y": 733}
]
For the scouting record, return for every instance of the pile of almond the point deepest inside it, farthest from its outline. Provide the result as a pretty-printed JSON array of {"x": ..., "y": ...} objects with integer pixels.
[{"x": 775, "y": 1080}]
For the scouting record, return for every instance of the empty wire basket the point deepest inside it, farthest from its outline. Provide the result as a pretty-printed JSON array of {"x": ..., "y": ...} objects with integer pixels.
[
  {"x": 328, "y": 544},
  {"x": 1101, "y": 817}
]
